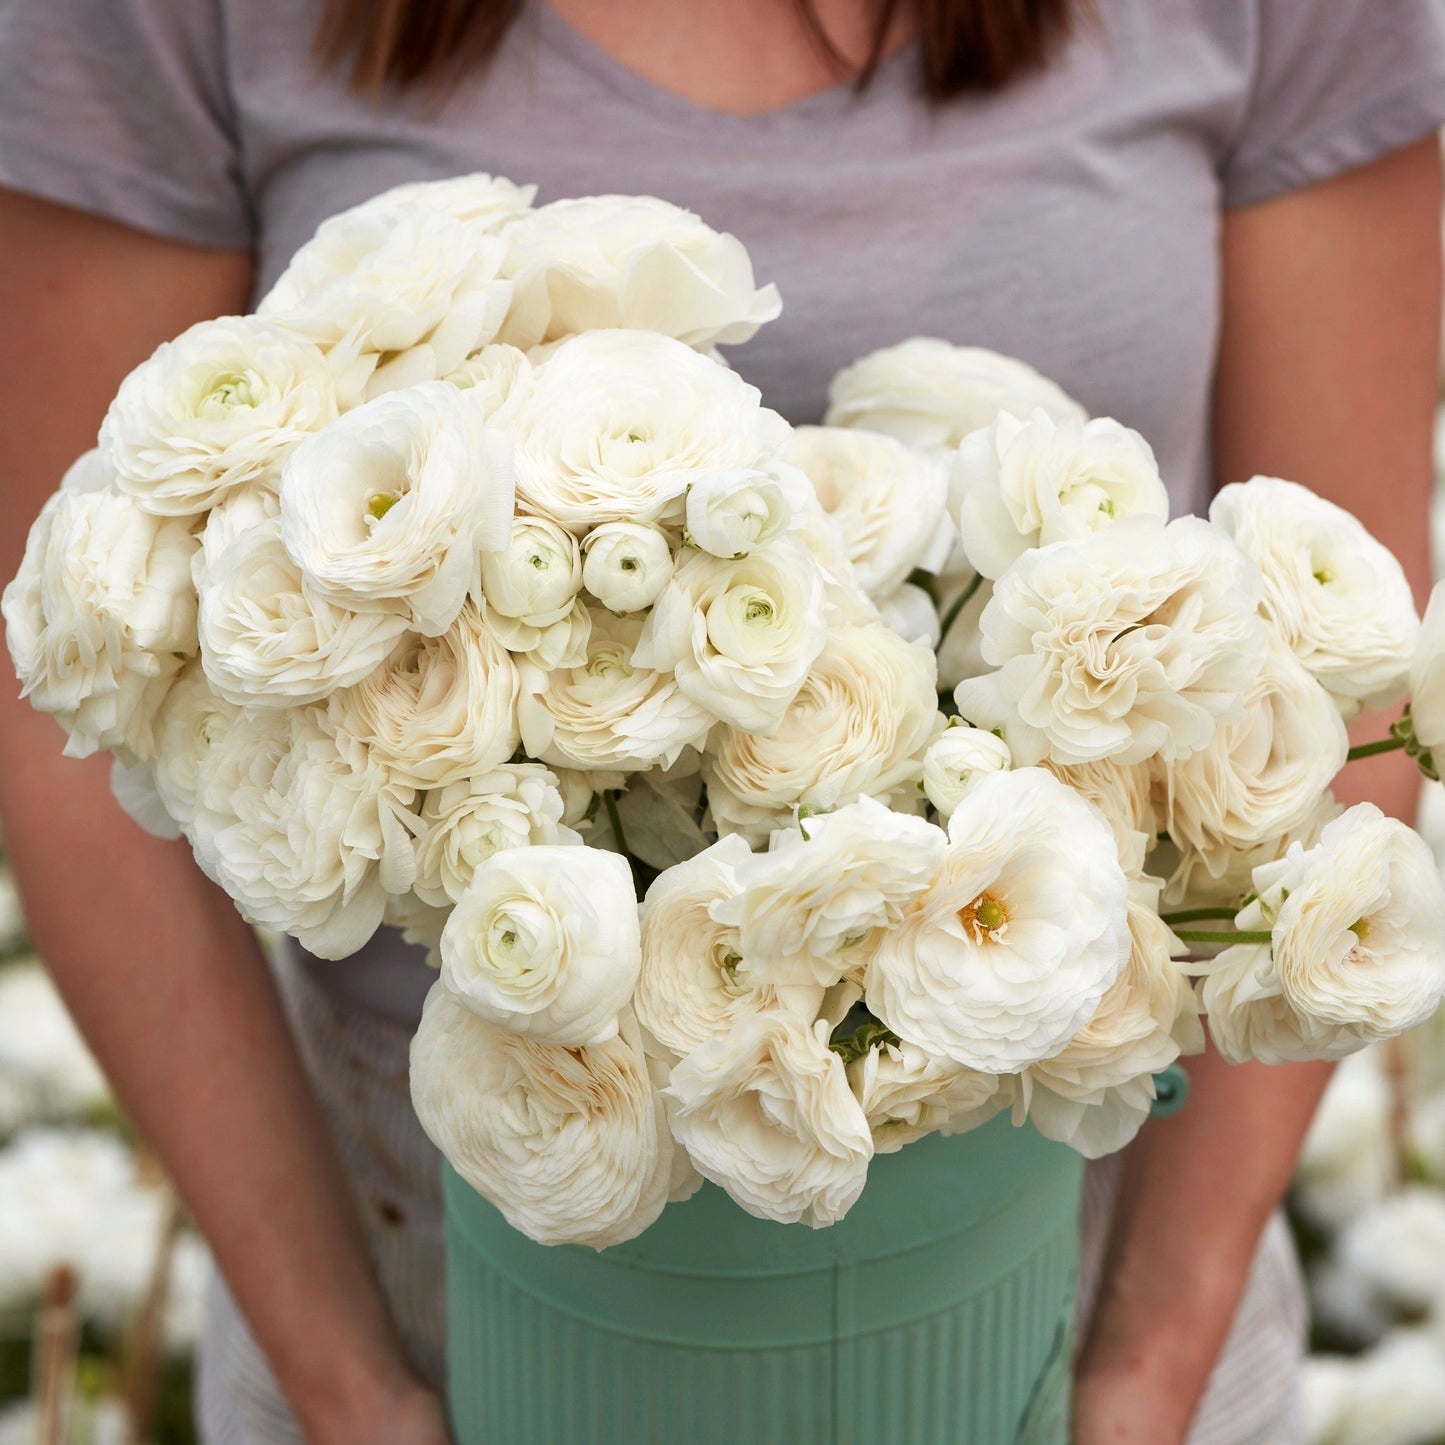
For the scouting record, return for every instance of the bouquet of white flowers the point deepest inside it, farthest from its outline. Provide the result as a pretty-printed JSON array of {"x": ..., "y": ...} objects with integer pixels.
[{"x": 767, "y": 797}]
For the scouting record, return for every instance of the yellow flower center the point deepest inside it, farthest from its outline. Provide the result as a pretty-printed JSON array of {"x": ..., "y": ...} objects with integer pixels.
[{"x": 986, "y": 917}]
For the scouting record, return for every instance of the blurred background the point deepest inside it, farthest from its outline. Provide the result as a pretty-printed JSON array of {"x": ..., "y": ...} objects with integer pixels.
[{"x": 102, "y": 1280}]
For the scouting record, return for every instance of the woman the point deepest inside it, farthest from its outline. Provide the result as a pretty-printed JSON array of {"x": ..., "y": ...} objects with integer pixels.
[{"x": 1216, "y": 221}]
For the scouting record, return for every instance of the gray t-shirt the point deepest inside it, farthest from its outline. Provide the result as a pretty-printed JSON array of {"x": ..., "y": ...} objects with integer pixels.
[{"x": 1072, "y": 220}]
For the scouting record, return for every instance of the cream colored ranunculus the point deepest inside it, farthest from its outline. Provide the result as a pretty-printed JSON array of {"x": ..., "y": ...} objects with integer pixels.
[
  {"x": 741, "y": 636},
  {"x": 609, "y": 712},
  {"x": 545, "y": 942},
  {"x": 731, "y": 511},
  {"x": 594, "y": 262},
  {"x": 441, "y": 710},
  {"x": 1427, "y": 675},
  {"x": 765, "y": 1112},
  {"x": 101, "y": 616},
  {"x": 956, "y": 759},
  {"x": 388, "y": 509},
  {"x": 807, "y": 907},
  {"x": 692, "y": 986},
  {"x": 407, "y": 288},
  {"x": 617, "y": 424},
  {"x": 1021, "y": 930},
  {"x": 1026, "y": 483},
  {"x": 1339, "y": 599},
  {"x": 571, "y": 1145},
  {"x": 907, "y": 1093},
  {"x": 513, "y": 806},
  {"x": 498, "y": 377},
  {"x": 626, "y": 565},
  {"x": 931, "y": 394},
  {"x": 484, "y": 203},
  {"x": 536, "y": 577},
  {"x": 1138, "y": 640},
  {"x": 1095, "y": 1094},
  {"x": 1260, "y": 778},
  {"x": 267, "y": 637},
  {"x": 890, "y": 501},
  {"x": 217, "y": 409},
  {"x": 858, "y": 726}
]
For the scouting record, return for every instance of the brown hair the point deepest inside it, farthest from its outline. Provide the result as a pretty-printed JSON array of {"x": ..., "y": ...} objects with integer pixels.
[{"x": 966, "y": 45}]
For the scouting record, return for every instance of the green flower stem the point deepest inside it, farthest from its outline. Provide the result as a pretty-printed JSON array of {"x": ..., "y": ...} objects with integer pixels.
[
  {"x": 957, "y": 606},
  {"x": 1195, "y": 915},
  {"x": 1368, "y": 750},
  {"x": 609, "y": 801},
  {"x": 1204, "y": 935}
]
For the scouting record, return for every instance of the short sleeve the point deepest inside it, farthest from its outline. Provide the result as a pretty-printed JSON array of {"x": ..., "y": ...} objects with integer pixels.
[
  {"x": 121, "y": 108},
  {"x": 1335, "y": 83}
]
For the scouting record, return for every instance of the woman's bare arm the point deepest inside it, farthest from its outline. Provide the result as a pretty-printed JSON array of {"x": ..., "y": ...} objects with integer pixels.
[
  {"x": 161, "y": 974},
  {"x": 1328, "y": 376}
]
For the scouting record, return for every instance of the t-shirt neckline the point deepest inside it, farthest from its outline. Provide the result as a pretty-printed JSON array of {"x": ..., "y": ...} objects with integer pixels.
[{"x": 559, "y": 35}]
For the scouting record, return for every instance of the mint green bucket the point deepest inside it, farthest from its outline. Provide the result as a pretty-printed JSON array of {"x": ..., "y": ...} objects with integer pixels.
[{"x": 939, "y": 1312}]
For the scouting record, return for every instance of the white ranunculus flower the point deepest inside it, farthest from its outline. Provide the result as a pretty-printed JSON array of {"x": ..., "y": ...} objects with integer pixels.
[
  {"x": 1427, "y": 675},
  {"x": 1021, "y": 484},
  {"x": 441, "y": 709},
  {"x": 1347, "y": 1161},
  {"x": 890, "y": 501},
  {"x": 409, "y": 286},
  {"x": 498, "y": 377},
  {"x": 268, "y": 638},
  {"x": 626, "y": 565},
  {"x": 1095, "y": 1093},
  {"x": 561, "y": 644},
  {"x": 956, "y": 759},
  {"x": 536, "y": 576},
  {"x": 1357, "y": 948},
  {"x": 217, "y": 409},
  {"x": 822, "y": 889},
  {"x": 571, "y": 1145},
  {"x": 630, "y": 261},
  {"x": 1359, "y": 927},
  {"x": 388, "y": 509},
  {"x": 133, "y": 786},
  {"x": 1126, "y": 798},
  {"x": 692, "y": 986},
  {"x": 1258, "y": 779},
  {"x": 910, "y": 612},
  {"x": 191, "y": 721},
  {"x": 545, "y": 941},
  {"x": 485, "y": 203},
  {"x": 1006, "y": 953},
  {"x": 1137, "y": 640},
  {"x": 100, "y": 617},
  {"x": 513, "y": 806},
  {"x": 242, "y": 511},
  {"x": 618, "y": 423},
  {"x": 766, "y": 1113},
  {"x": 741, "y": 636},
  {"x": 609, "y": 711},
  {"x": 858, "y": 726},
  {"x": 1339, "y": 599},
  {"x": 930, "y": 393},
  {"x": 307, "y": 838},
  {"x": 906, "y": 1093},
  {"x": 730, "y": 512}
]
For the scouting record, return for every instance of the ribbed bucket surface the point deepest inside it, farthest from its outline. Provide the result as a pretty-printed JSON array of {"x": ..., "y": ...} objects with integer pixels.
[{"x": 937, "y": 1313}]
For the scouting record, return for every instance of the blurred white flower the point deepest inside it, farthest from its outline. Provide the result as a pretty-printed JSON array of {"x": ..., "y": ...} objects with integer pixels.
[
  {"x": 1348, "y": 1159},
  {"x": 46, "y": 1070},
  {"x": 1398, "y": 1245},
  {"x": 1427, "y": 674}
]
